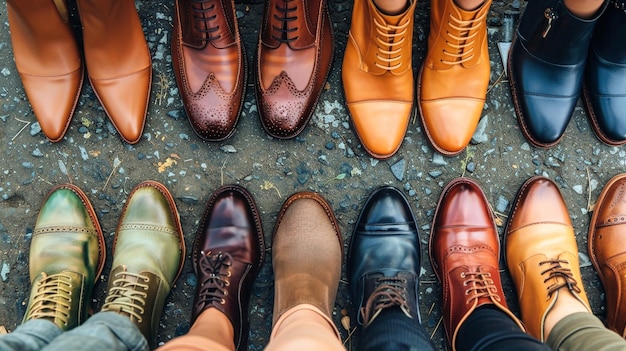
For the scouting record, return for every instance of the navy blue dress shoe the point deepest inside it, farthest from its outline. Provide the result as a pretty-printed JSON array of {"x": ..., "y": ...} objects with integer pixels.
[
  {"x": 546, "y": 66},
  {"x": 604, "y": 91}
]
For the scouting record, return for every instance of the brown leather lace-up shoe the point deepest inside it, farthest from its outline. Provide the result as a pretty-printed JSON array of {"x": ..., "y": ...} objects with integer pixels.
[
  {"x": 607, "y": 249},
  {"x": 464, "y": 251},
  {"x": 294, "y": 57},
  {"x": 454, "y": 76},
  {"x": 541, "y": 252},
  {"x": 210, "y": 66},
  {"x": 307, "y": 253},
  {"x": 118, "y": 62},
  {"x": 228, "y": 252},
  {"x": 377, "y": 75},
  {"x": 67, "y": 254},
  {"x": 48, "y": 60},
  {"x": 148, "y": 255}
]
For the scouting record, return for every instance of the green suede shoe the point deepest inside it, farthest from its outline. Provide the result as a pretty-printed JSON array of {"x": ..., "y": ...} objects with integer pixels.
[
  {"x": 67, "y": 254},
  {"x": 148, "y": 256}
]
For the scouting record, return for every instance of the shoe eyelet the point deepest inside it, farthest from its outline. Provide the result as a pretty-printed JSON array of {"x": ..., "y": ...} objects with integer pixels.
[
  {"x": 225, "y": 292},
  {"x": 222, "y": 301},
  {"x": 462, "y": 274}
]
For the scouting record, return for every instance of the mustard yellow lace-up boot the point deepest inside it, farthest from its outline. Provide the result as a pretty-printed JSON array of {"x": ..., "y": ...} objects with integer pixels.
[
  {"x": 148, "y": 257},
  {"x": 455, "y": 74},
  {"x": 67, "y": 253}
]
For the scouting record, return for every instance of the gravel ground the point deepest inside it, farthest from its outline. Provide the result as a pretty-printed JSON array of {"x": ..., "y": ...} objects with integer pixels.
[{"x": 326, "y": 158}]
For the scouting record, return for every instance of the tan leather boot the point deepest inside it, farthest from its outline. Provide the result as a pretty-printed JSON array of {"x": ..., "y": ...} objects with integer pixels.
[
  {"x": 307, "y": 253},
  {"x": 118, "y": 62},
  {"x": 378, "y": 76},
  {"x": 148, "y": 256},
  {"x": 67, "y": 254},
  {"x": 48, "y": 60},
  {"x": 454, "y": 76}
]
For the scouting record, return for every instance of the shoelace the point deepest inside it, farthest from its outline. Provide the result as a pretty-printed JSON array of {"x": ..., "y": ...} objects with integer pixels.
[
  {"x": 390, "y": 292},
  {"x": 464, "y": 50},
  {"x": 53, "y": 298},
  {"x": 215, "y": 271},
  {"x": 479, "y": 285},
  {"x": 203, "y": 15},
  {"x": 390, "y": 39},
  {"x": 556, "y": 271},
  {"x": 128, "y": 295},
  {"x": 284, "y": 32}
]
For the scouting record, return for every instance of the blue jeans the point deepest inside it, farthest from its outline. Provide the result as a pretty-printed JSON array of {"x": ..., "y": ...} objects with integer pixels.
[{"x": 103, "y": 331}]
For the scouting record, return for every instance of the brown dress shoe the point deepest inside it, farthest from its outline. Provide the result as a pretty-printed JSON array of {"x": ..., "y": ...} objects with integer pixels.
[
  {"x": 464, "y": 250},
  {"x": 541, "y": 252},
  {"x": 48, "y": 60},
  {"x": 607, "y": 249},
  {"x": 210, "y": 66},
  {"x": 294, "y": 56},
  {"x": 307, "y": 251},
  {"x": 377, "y": 75},
  {"x": 227, "y": 254},
  {"x": 454, "y": 76},
  {"x": 118, "y": 62}
]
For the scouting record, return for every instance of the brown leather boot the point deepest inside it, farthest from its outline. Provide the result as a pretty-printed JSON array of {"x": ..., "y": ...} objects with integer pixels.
[
  {"x": 118, "y": 62},
  {"x": 48, "y": 60},
  {"x": 464, "y": 250},
  {"x": 454, "y": 76},
  {"x": 210, "y": 65},
  {"x": 294, "y": 56},
  {"x": 228, "y": 252},
  {"x": 307, "y": 253},
  {"x": 377, "y": 75}
]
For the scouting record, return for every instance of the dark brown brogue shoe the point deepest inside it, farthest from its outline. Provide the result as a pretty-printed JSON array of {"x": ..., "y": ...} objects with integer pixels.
[
  {"x": 464, "y": 251},
  {"x": 210, "y": 65},
  {"x": 228, "y": 252},
  {"x": 607, "y": 249},
  {"x": 294, "y": 57}
]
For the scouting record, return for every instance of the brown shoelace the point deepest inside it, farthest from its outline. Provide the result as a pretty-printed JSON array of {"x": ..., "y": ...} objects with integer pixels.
[
  {"x": 561, "y": 276},
  {"x": 391, "y": 292},
  {"x": 214, "y": 270},
  {"x": 52, "y": 299},
  {"x": 479, "y": 285},
  {"x": 128, "y": 295}
]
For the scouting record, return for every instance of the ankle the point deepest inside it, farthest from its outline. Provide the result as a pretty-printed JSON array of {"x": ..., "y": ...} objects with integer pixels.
[
  {"x": 584, "y": 9},
  {"x": 469, "y": 5},
  {"x": 392, "y": 7},
  {"x": 565, "y": 304}
]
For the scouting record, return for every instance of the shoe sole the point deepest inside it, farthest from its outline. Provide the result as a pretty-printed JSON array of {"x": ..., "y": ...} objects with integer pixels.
[{"x": 591, "y": 116}]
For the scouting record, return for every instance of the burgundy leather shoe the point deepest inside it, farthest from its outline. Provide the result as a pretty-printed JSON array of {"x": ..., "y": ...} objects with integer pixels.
[
  {"x": 210, "y": 65},
  {"x": 228, "y": 251},
  {"x": 607, "y": 249},
  {"x": 294, "y": 57},
  {"x": 464, "y": 251}
]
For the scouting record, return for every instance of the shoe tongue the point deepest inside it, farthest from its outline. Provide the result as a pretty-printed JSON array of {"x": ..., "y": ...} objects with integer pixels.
[{"x": 392, "y": 19}]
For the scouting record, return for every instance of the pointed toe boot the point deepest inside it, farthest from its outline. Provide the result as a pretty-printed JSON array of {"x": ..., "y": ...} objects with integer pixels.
[
  {"x": 148, "y": 255},
  {"x": 118, "y": 62},
  {"x": 545, "y": 69},
  {"x": 67, "y": 254},
  {"x": 294, "y": 56},
  {"x": 453, "y": 79},
  {"x": 48, "y": 60},
  {"x": 604, "y": 89},
  {"x": 210, "y": 66},
  {"x": 377, "y": 76}
]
